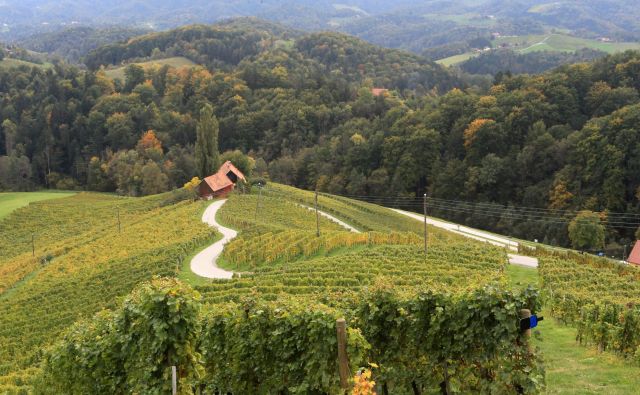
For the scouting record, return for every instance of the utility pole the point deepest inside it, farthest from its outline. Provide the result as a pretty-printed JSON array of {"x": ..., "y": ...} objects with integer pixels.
[
  {"x": 425, "y": 223},
  {"x": 174, "y": 380},
  {"x": 258, "y": 201},
  {"x": 317, "y": 217},
  {"x": 118, "y": 215}
]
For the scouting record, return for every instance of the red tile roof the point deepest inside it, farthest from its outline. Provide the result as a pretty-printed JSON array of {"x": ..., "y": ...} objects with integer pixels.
[
  {"x": 634, "y": 257},
  {"x": 378, "y": 91},
  {"x": 219, "y": 180},
  {"x": 228, "y": 166}
]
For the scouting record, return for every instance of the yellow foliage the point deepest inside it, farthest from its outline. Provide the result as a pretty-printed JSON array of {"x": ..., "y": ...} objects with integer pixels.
[
  {"x": 472, "y": 130},
  {"x": 357, "y": 139},
  {"x": 497, "y": 89},
  {"x": 487, "y": 101},
  {"x": 193, "y": 184},
  {"x": 363, "y": 384}
]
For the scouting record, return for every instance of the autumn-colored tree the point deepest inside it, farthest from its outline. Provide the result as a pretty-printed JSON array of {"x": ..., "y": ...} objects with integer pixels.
[
  {"x": 559, "y": 196},
  {"x": 192, "y": 186},
  {"x": 586, "y": 231},
  {"x": 149, "y": 146}
]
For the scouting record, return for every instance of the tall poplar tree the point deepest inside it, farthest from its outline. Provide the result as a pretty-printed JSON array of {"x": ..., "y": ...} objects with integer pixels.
[{"x": 207, "y": 155}]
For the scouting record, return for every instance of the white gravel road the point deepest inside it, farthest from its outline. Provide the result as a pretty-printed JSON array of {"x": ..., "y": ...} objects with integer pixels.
[
  {"x": 478, "y": 235},
  {"x": 204, "y": 264},
  {"x": 334, "y": 219}
]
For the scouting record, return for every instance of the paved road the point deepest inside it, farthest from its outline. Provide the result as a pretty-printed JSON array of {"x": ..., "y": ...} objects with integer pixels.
[
  {"x": 334, "y": 219},
  {"x": 204, "y": 264},
  {"x": 479, "y": 235}
]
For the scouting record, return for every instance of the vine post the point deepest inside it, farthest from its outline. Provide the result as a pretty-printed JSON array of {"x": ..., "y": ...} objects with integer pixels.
[
  {"x": 526, "y": 313},
  {"x": 425, "y": 223},
  {"x": 343, "y": 359},
  {"x": 317, "y": 216}
]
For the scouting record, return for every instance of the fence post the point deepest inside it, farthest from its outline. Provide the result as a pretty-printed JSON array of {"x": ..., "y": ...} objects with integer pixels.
[
  {"x": 343, "y": 359},
  {"x": 33, "y": 245},
  {"x": 174, "y": 380}
]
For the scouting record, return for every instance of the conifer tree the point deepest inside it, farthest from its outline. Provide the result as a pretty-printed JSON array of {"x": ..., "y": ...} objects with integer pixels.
[{"x": 207, "y": 155}]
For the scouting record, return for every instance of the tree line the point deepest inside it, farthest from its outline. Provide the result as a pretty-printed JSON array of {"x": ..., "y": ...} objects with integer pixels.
[{"x": 305, "y": 110}]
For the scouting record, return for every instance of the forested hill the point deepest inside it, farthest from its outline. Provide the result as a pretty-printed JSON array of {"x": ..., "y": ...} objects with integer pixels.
[
  {"x": 74, "y": 43},
  {"x": 303, "y": 106},
  {"x": 226, "y": 45}
]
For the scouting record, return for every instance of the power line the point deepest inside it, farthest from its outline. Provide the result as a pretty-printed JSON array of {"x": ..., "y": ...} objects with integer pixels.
[
  {"x": 484, "y": 204},
  {"x": 492, "y": 210}
]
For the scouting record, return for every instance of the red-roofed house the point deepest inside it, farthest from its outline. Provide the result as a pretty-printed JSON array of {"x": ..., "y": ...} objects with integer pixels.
[
  {"x": 634, "y": 257},
  {"x": 222, "y": 182},
  {"x": 379, "y": 91}
]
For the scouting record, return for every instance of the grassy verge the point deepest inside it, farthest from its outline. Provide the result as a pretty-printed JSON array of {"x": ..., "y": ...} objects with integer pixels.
[
  {"x": 571, "y": 368},
  {"x": 186, "y": 274}
]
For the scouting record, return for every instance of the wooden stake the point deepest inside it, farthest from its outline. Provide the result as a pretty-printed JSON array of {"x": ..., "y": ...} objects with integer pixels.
[
  {"x": 526, "y": 313},
  {"x": 343, "y": 359},
  {"x": 425, "y": 223}
]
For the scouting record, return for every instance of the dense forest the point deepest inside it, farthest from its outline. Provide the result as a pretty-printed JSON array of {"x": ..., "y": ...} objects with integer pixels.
[
  {"x": 506, "y": 60},
  {"x": 303, "y": 107},
  {"x": 73, "y": 43}
]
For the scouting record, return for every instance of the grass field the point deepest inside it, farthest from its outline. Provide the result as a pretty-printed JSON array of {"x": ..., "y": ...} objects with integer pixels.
[
  {"x": 561, "y": 43},
  {"x": 453, "y": 60},
  {"x": 546, "y": 42},
  {"x": 10, "y": 201},
  {"x": 571, "y": 368},
  {"x": 9, "y": 62},
  {"x": 178, "y": 61}
]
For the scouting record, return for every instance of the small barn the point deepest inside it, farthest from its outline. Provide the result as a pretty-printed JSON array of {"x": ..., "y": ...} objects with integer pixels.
[
  {"x": 634, "y": 257},
  {"x": 220, "y": 183},
  {"x": 379, "y": 92}
]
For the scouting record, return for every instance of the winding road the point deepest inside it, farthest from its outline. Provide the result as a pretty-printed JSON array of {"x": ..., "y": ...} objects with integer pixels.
[{"x": 204, "y": 264}]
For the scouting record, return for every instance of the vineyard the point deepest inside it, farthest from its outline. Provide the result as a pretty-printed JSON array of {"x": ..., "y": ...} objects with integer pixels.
[
  {"x": 81, "y": 265},
  {"x": 598, "y": 297},
  {"x": 446, "y": 318}
]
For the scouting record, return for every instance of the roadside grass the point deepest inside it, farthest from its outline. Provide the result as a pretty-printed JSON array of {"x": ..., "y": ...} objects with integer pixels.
[
  {"x": 187, "y": 275},
  {"x": 178, "y": 61},
  {"x": 10, "y": 201},
  {"x": 570, "y": 367}
]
